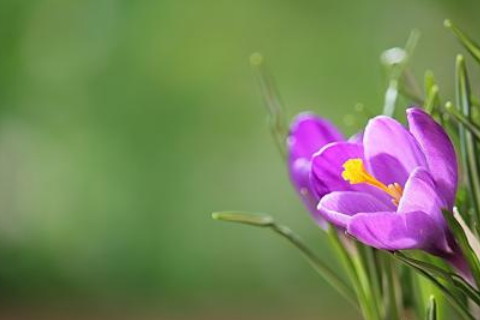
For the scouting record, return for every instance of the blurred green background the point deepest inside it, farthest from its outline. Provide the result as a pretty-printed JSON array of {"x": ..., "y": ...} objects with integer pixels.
[{"x": 124, "y": 124}]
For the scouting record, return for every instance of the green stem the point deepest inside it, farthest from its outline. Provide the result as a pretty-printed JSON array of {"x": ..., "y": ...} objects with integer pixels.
[
  {"x": 347, "y": 259},
  {"x": 361, "y": 262},
  {"x": 392, "y": 289}
]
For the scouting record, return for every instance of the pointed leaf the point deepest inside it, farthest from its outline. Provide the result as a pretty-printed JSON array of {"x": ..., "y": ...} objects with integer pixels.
[
  {"x": 260, "y": 220},
  {"x": 462, "y": 241},
  {"x": 468, "y": 146},
  {"x": 468, "y": 43},
  {"x": 458, "y": 116},
  {"x": 432, "y": 309}
]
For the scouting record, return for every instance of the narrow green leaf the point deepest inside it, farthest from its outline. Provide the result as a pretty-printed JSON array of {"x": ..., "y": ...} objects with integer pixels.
[
  {"x": 459, "y": 117},
  {"x": 392, "y": 290},
  {"x": 369, "y": 275},
  {"x": 356, "y": 273},
  {"x": 427, "y": 267},
  {"x": 432, "y": 100},
  {"x": 432, "y": 309},
  {"x": 318, "y": 265},
  {"x": 472, "y": 240},
  {"x": 466, "y": 288},
  {"x": 452, "y": 279},
  {"x": 462, "y": 240},
  {"x": 276, "y": 118},
  {"x": 453, "y": 299},
  {"x": 468, "y": 43},
  {"x": 260, "y": 220},
  {"x": 468, "y": 146}
]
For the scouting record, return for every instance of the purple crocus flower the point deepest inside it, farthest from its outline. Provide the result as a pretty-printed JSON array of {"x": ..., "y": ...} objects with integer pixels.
[
  {"x": 308, "y": 134},
  {"x": 386, "y": 188}
]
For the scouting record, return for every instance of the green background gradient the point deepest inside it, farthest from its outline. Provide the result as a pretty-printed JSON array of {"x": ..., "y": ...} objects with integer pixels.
[{"x": 124, "y": 124}]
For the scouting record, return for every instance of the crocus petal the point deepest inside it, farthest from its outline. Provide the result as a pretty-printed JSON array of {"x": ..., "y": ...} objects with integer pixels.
[
  {"x": 308, "y": 133},
  {"x": 300, "y": 175},
  {"x": 394, "y": 231},
  {"x": 421, "y": 194},
  {"x": 438, "y": 150},
  {"x": 339, "y": 207},
  {"x": 391, "y": 151},
  {"x": 327, "y": 166}
]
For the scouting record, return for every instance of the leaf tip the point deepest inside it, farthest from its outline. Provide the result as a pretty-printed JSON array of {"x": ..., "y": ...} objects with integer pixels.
[
  {"x": 261, "y": 220},
  {"x": 447, "y": 23},
  {"x": 256, "y": 59}
]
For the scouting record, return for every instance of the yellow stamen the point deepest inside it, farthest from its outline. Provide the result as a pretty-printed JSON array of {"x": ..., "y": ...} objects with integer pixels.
[{"x": 355, "y": 173}]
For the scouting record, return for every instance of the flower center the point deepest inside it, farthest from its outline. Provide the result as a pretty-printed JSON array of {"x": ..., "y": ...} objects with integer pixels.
[{"x": 355, "y": 173}]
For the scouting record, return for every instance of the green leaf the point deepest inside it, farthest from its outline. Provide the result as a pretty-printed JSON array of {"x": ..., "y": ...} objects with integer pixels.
[
  {"x": 466, "y": 288},
  {"x": 355, "y": 268},
  {"x": 262, "y": 220},
  {"x": 462, "y": 240},
  {"x": 432, "y": 309},
  {"x": 472, "y": 240},
  {"x": 468, "y": 43},
  {"x": 468, "y": 146},
  {"x": 432, "y": 101},
  {"x": 455, "y": 301},
  {"x": 459, "y": 117}
]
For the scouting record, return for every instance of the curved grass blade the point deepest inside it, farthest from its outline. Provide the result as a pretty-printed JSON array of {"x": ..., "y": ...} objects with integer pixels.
[{"x": 318, "y": 265}]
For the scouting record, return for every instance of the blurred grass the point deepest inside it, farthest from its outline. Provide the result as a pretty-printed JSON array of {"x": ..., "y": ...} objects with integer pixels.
[{"x": 123, "y": 124}]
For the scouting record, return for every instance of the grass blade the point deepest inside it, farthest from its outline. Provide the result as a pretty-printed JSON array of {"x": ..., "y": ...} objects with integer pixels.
[
  {"x": 318, "y": 265},
  {"x": 467, "y": 143},
  {"x": 432, "y": 309},
  {"x": 468, "y": 43}
]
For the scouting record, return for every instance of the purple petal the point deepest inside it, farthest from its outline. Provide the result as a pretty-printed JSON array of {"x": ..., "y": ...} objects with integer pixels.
[
  {"x": 438, "y": 150},
  {"x": 390, "y": 150},
  {"x": 339, "y": 207},
  {"x": 309, "y": 133},
  {"x": 420, "y": 194},
  {"x": 327, "y": 166},
  {"x": 300, "y": 175},
  {"x": 394, "y": 231}
]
